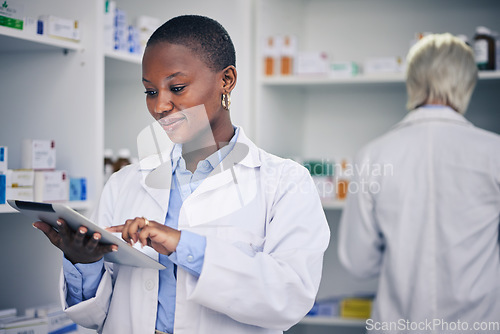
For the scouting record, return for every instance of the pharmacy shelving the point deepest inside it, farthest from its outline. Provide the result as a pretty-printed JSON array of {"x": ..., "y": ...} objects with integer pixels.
[
  {"x": 324, "y": 117},
  {"x": 332, "y": 321},
  {"x": 13, "y": 40},
  {"x": 320, "y": 80},
  {"x": 76, "y": 205},
  {"x": 123, "y": 56},
  {"x": 51, "y": 89}
]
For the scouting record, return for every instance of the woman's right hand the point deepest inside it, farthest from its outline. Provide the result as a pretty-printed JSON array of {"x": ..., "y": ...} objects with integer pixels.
[{"x": 76, "y": 246}]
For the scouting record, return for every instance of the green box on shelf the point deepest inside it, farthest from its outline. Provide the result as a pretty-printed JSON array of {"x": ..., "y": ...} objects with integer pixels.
[
  {"x": 319, "y": 168},
  {"x": 11, "y": 14}
]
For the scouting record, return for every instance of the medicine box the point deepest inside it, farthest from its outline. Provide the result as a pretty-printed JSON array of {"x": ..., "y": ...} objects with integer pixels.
[
  {"x": 23, "y": 325},
  {"x": 20, "y": 193},
  {"x": 3, "y": 188},
  {"x": 20, "y": 177},
  {"x": 3, "y": 159},
  {"x": 343, "y": 69},
  {"x": 58, "y": 322},
  {"x": 12, "y": 14},
  {"x": 51, "y": 186},
  {"x": 146, "y": 25},
  {"x": 58, "y": 27},
  {"x": 383, "y": 65},
  {"x": 78, "y": 189},
  {"x": 39, "y": 154},
  {"x": 311, "y": 63}
]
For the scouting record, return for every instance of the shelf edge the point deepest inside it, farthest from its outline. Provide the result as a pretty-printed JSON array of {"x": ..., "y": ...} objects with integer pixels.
[
  {"x": 332, "y": 321},
  {"x": 39, "y": 39}
]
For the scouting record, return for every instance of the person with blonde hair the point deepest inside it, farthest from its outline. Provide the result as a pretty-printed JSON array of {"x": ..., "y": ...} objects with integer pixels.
[{"x": 430, "y": 229}]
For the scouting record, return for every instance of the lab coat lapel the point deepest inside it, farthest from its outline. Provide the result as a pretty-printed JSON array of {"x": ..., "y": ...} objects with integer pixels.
[
  {"x": 160, "y": 195},
  {"x": 244, "y": 153}
]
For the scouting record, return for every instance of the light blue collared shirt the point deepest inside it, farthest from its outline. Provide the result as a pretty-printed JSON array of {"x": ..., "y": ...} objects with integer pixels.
[{"x": 83, "y": 279}]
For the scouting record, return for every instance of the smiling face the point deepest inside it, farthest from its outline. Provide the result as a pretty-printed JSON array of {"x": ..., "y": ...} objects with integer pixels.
[{"x": 184, "y": 94}]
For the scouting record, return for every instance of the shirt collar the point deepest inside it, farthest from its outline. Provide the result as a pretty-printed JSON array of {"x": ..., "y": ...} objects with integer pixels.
[
  {"x": 214, "y": 159},
  {"x": 431, "y": 113}
]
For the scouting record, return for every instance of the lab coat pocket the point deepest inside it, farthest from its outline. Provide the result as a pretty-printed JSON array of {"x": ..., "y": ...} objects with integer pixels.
[{"x": 246, "y": 241}]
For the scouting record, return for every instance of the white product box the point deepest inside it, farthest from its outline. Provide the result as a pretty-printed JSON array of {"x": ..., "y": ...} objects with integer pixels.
[
  {"x": 58, "y": 27},
  {"x": 311, "y": 63},
  {"x": 30, "y": 25},
  {"x": 3, "y": 159},
  {"x": 51, "y": 186},
  {"x": 23, "y": 325},
  {"x": 11, "y": 14},
  {"x": 39, "y": 154},
  {"x": 7, "y": 313},
  {"x": 20, "y": 193},
  {"x": 146, "y": 25},
  {"x": 20, "y": 177},
  {"x": 383, "y": 65},
  {"x": 343, "y": 69},
  {"x": 57, "y": 320}
]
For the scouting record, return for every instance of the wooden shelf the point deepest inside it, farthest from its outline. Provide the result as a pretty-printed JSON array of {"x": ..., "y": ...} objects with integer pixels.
[
  {"x": 13, "y": 40},
  {"x": 332, "y": 321},
  {"x": 360, "y": 79},
  {"x": 76, "y": 205}
]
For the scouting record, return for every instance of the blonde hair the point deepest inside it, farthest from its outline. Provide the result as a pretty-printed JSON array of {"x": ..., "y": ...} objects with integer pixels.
[{"x": 440, "y": 69}]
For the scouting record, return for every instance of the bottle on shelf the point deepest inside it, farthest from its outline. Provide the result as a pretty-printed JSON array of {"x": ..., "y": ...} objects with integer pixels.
[
  {"x": 122, "y": 160},
  {"x": 342, "y": 178},
  {"x": 484, "y": 49},
  {"x": 269, "y": 56},
  {"x": 288, "y": 52},
  {"x": 108, "y": 164}
]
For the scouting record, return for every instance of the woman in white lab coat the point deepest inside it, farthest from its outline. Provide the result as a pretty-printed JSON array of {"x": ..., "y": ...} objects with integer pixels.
[
  {"x": 425, "y": 218},
  {"x": 257, "y": 217}
]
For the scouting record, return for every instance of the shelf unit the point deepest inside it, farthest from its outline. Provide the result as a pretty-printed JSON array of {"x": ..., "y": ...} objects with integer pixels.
[
  {"x": 332, "y": 321},
  {"x": 76, "y": 205},
  {"x": 323, "y": 117},
  {"x": 20, "y": 40},
  {"x": 319, "y": 80},
  {"x": 123, "y": 56}
]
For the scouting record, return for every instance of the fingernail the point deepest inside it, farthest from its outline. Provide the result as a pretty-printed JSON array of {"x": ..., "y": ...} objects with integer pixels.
[
  {"x": 36, "y": 228},
  {"x": 96, "y": 237},
  {"x": 114, "y": 248},
  {"x": 82, "y": 231},
  {"x": 58, "y": 222}
]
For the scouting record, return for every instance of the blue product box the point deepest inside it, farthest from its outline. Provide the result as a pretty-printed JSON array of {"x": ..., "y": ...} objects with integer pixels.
[
  {"x": 78, "y": 189},
  {"x": 3, "y": 188}
]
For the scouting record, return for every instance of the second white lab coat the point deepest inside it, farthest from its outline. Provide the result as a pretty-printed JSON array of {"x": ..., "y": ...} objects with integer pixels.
[
  {"x": 266, "y": 235},
  {"x": 427, "y": 223}
]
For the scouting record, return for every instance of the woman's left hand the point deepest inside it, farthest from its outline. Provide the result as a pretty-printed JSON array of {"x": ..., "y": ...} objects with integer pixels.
[{"x": 162, "y": 238}]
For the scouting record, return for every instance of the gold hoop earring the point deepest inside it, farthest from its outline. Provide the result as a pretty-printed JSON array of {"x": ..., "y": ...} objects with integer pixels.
[{"x": 226, "y": 101}]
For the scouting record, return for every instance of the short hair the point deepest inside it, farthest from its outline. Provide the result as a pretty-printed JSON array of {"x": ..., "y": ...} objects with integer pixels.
[
  {"x": 440, "y": 68},
  {"x": 202, "y": 35}
]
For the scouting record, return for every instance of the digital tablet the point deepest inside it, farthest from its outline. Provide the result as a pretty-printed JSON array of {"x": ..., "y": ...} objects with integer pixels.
[{"x": 50, "y": 212}]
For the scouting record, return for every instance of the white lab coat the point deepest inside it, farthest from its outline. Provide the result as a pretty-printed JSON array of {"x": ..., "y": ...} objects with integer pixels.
[
  {"x": 429, "y": 228},
  {"x": 266, "y": 235}
]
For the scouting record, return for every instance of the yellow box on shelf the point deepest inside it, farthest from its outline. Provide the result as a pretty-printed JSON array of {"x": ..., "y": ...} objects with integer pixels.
[{"x": 359, "y": 308}]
